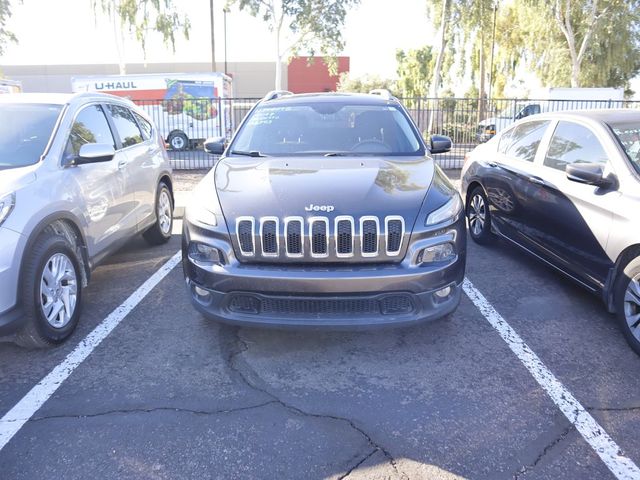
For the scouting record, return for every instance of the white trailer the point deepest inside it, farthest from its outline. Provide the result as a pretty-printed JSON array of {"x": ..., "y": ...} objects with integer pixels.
[
  {"x": 186, "y": 107},
  {"x": 10, "y": 86}
]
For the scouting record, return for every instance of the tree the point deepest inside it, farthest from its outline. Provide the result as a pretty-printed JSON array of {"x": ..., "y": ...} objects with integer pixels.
[
  {"x": 5, "y": 35},
  {"x": 364, "y": 84},
  {"x": 588, "y": 43},
  {"x": 296, "y": 25},
  {"x": 140, "y": 17},
  {"x": 415, "y": 71}
]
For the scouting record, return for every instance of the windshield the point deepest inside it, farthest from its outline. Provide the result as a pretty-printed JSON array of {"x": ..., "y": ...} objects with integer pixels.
[
  {"x": 25, "y": 130},
  {"x": 628, "y": 134},
  {"x": 324, "y": 128}
]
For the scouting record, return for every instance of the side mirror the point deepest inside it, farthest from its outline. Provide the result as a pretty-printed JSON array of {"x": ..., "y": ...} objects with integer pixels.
[
  {"x": 215, "y": 145},
  {"x": 440, "y": 144},
  {"x": 94, "y": 153},
  {"x": 589, "y": 174}
]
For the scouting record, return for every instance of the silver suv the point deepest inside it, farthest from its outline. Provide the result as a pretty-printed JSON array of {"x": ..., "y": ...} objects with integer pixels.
[{"x": 80, "y": 175}]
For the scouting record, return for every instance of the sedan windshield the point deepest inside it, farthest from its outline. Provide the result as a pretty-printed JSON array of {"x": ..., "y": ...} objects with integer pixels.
[
  {"x": 331, "y": 129},
  {"x": 25, "y": 130},
  {"x": 628, "y": 134}
]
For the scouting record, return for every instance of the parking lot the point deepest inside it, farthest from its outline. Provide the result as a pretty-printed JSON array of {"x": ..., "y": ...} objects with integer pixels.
[{"x": 170, "y": 395}]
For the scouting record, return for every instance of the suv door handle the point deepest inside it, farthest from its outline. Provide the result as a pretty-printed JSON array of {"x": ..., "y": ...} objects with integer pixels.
[
  {"x": 492, "y": 164},
  {"x": 122, "y": 164}
]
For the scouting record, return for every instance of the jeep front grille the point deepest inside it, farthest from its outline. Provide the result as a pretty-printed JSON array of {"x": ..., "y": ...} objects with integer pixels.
[{"x": 320, "y": 238}]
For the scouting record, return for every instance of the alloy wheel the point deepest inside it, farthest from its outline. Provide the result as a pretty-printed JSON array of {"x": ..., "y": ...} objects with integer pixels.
[
  {"x": 632, "y": 306},
  {"x": 58, "y": 290},
  {"x": 164, "y": 212},
  {"x": 477, "y": 214}
]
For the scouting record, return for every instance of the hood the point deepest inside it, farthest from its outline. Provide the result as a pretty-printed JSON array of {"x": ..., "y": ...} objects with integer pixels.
[
  {"x": 13, "y": 179},
  {"x": 355, "y": 186}
]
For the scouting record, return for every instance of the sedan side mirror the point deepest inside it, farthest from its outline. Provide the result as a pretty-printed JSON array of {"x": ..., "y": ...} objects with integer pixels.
[
  {"x": 93, "y": 153},
  {"x": 440, "y": 144},
  {"x": 589, "y": 174},
  {"x": 215, "y": 145}
]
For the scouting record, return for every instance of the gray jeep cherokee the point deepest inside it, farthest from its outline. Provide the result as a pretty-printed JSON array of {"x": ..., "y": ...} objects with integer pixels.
[{"x": 325, "y": 210}]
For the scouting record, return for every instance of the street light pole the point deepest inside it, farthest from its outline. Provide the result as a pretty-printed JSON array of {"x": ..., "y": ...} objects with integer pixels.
[
  {"x": 225, "y": 10},
  {"x": 213, "y": 39}
]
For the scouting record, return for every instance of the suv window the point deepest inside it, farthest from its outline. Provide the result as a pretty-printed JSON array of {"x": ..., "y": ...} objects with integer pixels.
[
  {"x": 525, "y": 139},
  {"x": 125, "y": 125},
  {"x": 573, "y": 143},
  {"x": 90, "y": 126},
  {"x": 144, "y": 126}
]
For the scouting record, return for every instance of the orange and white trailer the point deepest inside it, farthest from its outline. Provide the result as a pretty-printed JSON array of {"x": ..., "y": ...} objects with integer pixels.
[{"x": 186, "y": 108}]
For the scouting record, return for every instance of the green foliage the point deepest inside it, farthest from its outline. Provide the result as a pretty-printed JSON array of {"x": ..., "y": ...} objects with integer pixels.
[
  {"x": 529, "y": 34},
  {"x": 311, "y": 25},
  {"x": 415, "y": 68},
  {"x": 142, "y": 16},
  {"x": 5, "y": 35},
  {"x": 364, "y": 84}
]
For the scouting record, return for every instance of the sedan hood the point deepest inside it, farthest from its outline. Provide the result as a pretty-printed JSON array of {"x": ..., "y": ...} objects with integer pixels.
[
  {"x": 331, "y": 186},
  {"x": 13, "y": 179}
]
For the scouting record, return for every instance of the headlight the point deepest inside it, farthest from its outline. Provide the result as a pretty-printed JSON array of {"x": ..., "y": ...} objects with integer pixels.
[
  {"x": 197, "y": 213},
  {"x": 446, "y": 212},
  {"x": 437, "y": 253},
  {"x": 204, "y": 207},
  {"x": 204, "y": 254},
  {"x": 6, "y": 205}
]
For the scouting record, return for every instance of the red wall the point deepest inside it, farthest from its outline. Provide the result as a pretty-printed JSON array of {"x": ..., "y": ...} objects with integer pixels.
[{"x": 304, "y": 78}]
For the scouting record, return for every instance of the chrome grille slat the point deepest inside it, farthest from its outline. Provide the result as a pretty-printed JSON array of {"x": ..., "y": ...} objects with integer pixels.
[{"x": 343, "y": 237}]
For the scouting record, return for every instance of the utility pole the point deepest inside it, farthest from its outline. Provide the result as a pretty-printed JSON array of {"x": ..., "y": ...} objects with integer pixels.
[
  {"x": 213, "y": 39},
  {"x": 225, "y": 10}
]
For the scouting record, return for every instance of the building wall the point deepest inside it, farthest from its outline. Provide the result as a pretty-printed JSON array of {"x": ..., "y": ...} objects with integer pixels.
[
  {"x": 250, "y": 79},
  {"x": 308, "y": 77}
]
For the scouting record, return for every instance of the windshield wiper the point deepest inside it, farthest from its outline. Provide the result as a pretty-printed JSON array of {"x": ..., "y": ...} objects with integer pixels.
[{"x": 252, "y": 153}]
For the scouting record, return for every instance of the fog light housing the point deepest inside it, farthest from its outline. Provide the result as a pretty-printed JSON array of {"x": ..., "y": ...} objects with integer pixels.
[
  {"x": 437, "y": 253},
  {"x": 443, "y": 292},
  {"x": 204, "y": 255}
]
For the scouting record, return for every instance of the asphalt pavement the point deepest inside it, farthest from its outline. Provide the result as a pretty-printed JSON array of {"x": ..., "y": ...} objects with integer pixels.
[{"x": 171, "y": 395}]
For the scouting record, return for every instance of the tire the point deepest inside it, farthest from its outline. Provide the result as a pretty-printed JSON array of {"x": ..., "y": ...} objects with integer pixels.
[
  {"x": 627, "y": 303},
  {"x": 479, "y": 217},
  {"x": 160, "y": 232},
  {"x": 52, "y": 266},
  {"x": 178, "y": 141}
]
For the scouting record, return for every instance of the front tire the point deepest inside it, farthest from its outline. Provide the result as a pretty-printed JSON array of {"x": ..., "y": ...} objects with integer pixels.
[
  {"x": 51, "y": 292},
  {"x": 479, "y": 217},
  {"x": 179, "y": 141},
  {"x": 627, "y": 303},
  {"x": 160, "y": 232}
]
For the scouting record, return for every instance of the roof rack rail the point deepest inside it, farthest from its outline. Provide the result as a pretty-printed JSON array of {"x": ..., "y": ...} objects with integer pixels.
[
  {"x": 382, "y": 92},
  {"x": 272, "y": 95}
]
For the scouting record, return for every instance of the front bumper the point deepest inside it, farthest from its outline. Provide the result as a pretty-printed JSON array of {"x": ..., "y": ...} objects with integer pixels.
[
  {"x": 343, "y": 295},
  {"x": 10, "y": 254}
]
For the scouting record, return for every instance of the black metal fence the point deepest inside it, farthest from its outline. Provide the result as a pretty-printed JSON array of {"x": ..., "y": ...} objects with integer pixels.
[{"x": 186, "y": 122}]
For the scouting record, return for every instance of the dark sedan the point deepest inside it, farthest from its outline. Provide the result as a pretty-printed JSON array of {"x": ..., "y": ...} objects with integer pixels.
[{"x": 565, "y": 187}]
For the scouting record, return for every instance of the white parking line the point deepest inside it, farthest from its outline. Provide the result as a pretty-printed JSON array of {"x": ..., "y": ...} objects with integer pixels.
[
  {"x": 20, "y": 414},
  {"x": 610, "y": 453}
]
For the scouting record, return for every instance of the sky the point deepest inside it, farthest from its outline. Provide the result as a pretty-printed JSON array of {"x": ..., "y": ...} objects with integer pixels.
[{"x": 50, "y": 35}]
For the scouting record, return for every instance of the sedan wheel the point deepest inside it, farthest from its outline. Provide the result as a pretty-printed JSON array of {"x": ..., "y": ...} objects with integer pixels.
[
  {"x": 479, "y": 217},
  {"x": 627, "y": 297}
]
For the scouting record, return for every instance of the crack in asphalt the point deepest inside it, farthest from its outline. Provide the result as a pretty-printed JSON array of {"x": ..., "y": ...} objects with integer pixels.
[
  {"x": 155, "y": 409},
  {"x": 366, "y": 457},
  {"x": 611, "y": 409},
  {"x": 237, "y": 346},
  {"x": 547, "y": 449}
]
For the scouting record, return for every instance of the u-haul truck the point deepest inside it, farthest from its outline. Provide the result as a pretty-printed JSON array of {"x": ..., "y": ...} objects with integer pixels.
[{"x": 186, "y": 107}]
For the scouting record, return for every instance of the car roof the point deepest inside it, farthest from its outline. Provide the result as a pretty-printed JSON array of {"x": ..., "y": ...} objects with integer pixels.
[
  {"x": 598, "y": 115},
  {"x": 59, "y": 98},
  {"x": 332, "y": 97}
]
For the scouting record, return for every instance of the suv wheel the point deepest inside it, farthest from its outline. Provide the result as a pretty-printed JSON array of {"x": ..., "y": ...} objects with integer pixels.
[
  {"x": 479, "y": 217},
  {"x": 51, "y": 292},
  {"x": 160, "y": 232},
  {"x": 627, "y": 298}
]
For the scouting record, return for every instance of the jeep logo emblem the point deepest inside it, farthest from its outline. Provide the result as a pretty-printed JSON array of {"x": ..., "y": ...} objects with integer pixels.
[{"x": 319, "y": 208}]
